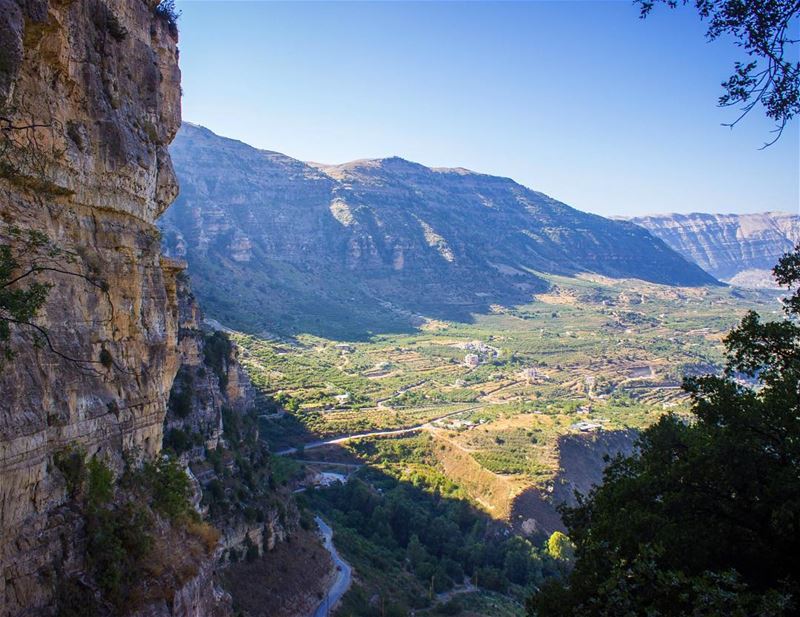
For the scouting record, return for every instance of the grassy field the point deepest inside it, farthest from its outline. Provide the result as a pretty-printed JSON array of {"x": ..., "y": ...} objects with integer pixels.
[{"x": 591, "y": 354}]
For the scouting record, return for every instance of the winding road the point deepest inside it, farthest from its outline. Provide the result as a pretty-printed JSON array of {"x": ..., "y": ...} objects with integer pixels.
[
  {"x": 384, "y": 433},
  {"x": 344, "y": 572}
]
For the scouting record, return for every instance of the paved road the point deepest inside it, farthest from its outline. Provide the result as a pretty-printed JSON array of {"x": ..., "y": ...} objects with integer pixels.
[
  {"x": 344, "y": 572},
  {"x": 388, "y": 432},
  {"x": 349, "y": 465}
]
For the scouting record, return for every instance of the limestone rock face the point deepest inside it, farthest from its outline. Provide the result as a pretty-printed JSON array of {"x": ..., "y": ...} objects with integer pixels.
[
  {"x": 204, "y": 386},
  {"x": 280, "y": 245},
  {"x": 95, "y": 87},
  {"x": 199, "y": 597},
  {"x": 739, "y": 248},
  {"x": 211, "y": 380}
]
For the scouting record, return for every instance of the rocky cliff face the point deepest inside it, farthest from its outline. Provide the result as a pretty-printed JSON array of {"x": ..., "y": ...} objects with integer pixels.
[
  {"x": 212, "y": 426},
  {"x": 210, "y": 378},
  {"x": 739, "y": 248},
  {"x": 275, "y": 243},
  {"x": 89, "y": 95}
]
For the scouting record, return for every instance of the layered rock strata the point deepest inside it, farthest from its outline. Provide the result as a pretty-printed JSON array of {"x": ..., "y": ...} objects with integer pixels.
[
  {"x": 279, "y": 245},
  {"x": 89, "y": 101},
  {"x": 739, "y": 248}
]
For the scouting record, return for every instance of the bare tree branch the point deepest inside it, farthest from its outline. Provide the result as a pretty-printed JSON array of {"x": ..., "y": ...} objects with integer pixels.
[{"x": 763, "y": 29}]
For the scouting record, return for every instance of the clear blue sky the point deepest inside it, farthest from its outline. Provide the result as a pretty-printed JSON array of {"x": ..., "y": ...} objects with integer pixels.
[{"x": 580, "y": 100}]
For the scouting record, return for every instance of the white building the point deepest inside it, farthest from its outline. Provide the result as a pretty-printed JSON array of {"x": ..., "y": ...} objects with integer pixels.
[{"x": 472, "y": 360}]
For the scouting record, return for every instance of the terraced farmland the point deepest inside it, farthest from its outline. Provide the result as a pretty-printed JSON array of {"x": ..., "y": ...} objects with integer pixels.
[{"x": 590, "y": 355}]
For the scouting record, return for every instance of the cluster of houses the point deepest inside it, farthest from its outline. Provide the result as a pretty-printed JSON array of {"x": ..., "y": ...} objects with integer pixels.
[
  {"x": 472, "y": 360},
  {"x": 315, "y": 478},
  {"x": 339, "y": 401},
  {"x": 457, "y": 424},
  {"x": 478, "y": 353},
  {"x": 533, "y": 375},
  {"x": 327, "y": 478}
]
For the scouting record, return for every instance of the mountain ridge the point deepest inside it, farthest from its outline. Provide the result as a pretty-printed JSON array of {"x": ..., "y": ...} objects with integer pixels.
[
  {"x": 738, "y": 248},
  {"x": 380, "y": 240}
]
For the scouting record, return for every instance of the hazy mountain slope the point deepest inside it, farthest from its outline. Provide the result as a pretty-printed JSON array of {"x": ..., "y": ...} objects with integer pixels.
[
  {"x": 280, "y": 244},
  {"x": 741, "y": 248}
]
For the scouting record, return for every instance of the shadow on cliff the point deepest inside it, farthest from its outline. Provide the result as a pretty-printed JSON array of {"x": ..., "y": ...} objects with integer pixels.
[
  {"x": 279, "y": 299},
  {"x": 581, "y": 460},
  {"x": 353, "y": 318}
]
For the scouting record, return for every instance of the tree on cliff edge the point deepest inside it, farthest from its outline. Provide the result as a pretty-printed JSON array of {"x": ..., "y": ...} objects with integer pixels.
[
  {"x": 20, "y": 299},
  {"x": 26, "y": 256},
  {"x": 705, "y": 518}
]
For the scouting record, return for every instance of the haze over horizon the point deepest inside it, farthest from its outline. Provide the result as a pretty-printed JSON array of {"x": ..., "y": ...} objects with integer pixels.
[{"x": 582, "y": 101}]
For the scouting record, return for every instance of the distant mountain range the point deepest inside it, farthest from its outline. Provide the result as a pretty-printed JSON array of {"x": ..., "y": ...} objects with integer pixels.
[
  {"x": 737, "y": 248},
  {"x": 277, "y": 244}
]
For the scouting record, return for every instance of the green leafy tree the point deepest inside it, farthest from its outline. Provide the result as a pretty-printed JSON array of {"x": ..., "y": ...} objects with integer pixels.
[
  {"x": 170, "y": 488},
  {"x": 26, "y": 256},
  {"x": 560, "y": 547},
  {"x": 705, "y": 518},
  {"x": 416, "y": 552},
  {"x": 21, "y": 296},
  {"x": 101, "y": 483},
  {"x": 518, "y": 563},
  {"x": 767, "y": 32}
]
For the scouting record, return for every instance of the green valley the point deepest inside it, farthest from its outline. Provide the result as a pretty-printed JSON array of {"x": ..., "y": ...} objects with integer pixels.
[
  {"x": 606, "y": 352},
  {"x": 390, "y": 373},
  {"x": 478, "y": 412}
]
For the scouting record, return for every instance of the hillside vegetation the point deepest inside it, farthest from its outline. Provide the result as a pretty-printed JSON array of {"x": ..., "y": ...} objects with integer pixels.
[{"x": 702, "y": 517}]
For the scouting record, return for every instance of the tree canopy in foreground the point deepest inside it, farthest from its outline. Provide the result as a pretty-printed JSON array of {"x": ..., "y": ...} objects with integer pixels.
[{"x": 705, "y": 518}]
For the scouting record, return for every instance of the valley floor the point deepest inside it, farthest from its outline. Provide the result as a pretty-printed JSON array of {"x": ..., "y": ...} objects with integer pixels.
[{"x": 511, "y": 412}]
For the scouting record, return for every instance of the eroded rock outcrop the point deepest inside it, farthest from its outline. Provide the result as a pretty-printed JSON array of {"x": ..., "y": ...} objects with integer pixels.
[
  {"x": 89, "y": 101},
  {"x": 212, "y": 425},
  {"x": 210, "y": 379}
]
